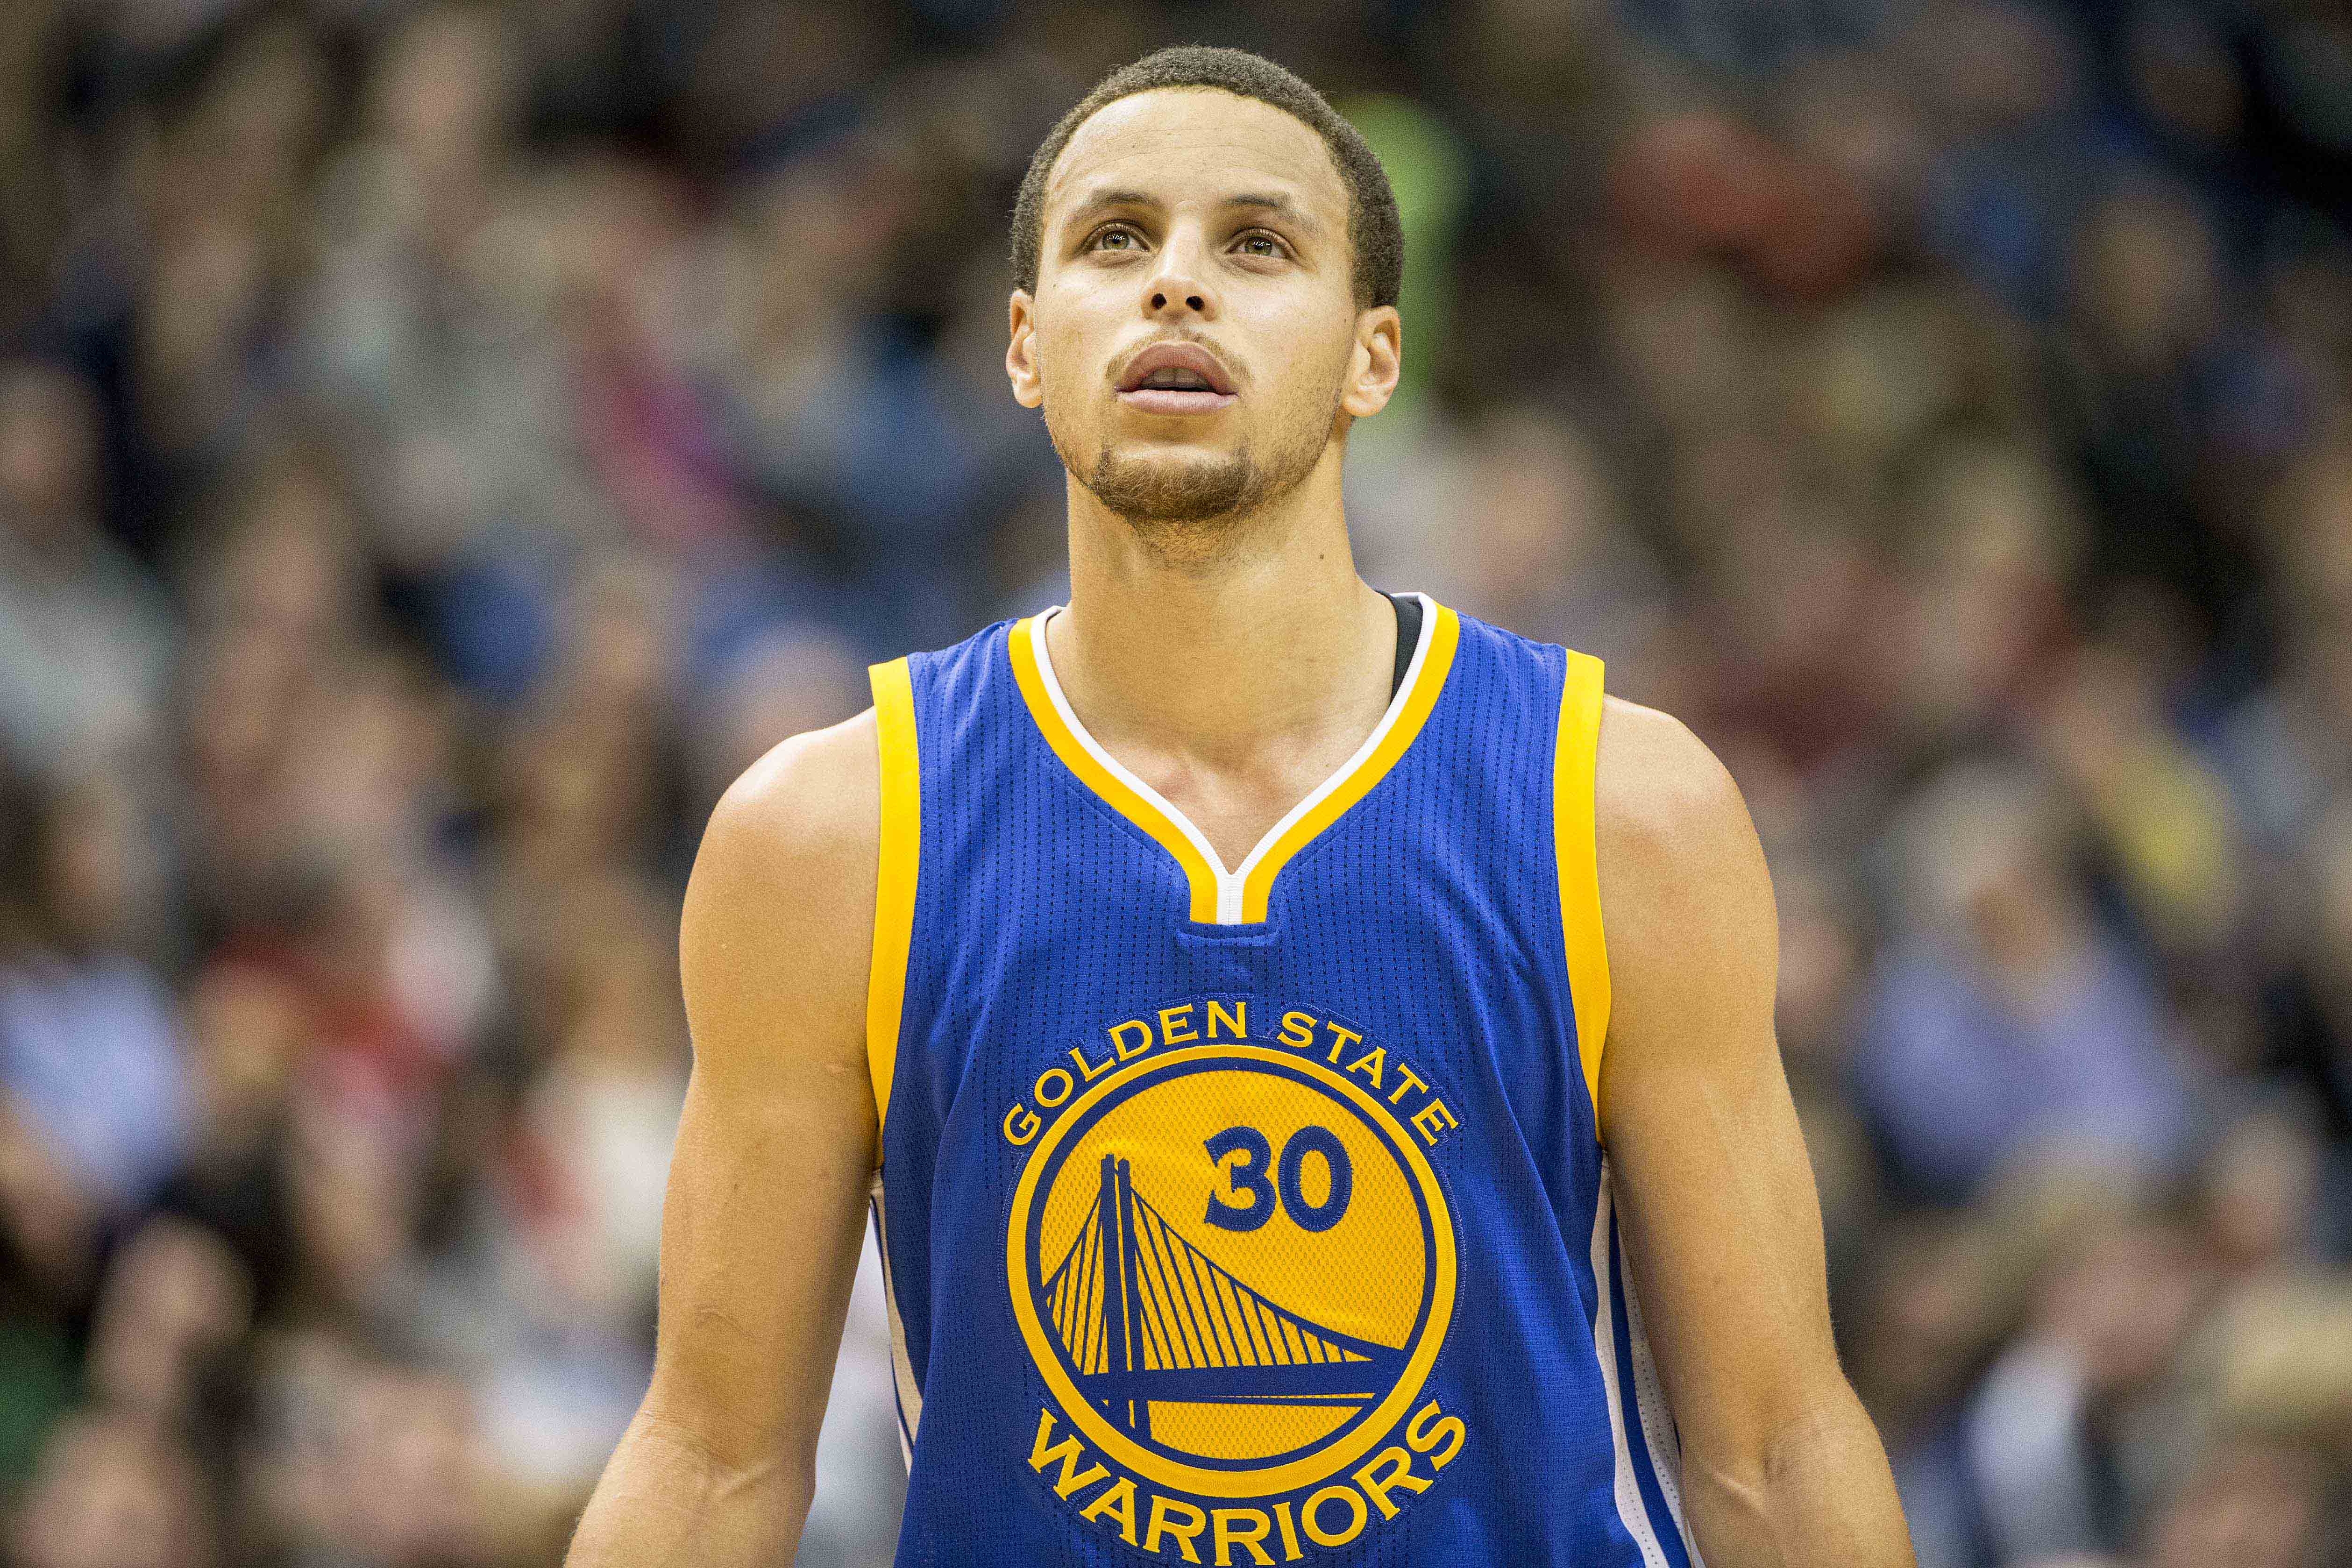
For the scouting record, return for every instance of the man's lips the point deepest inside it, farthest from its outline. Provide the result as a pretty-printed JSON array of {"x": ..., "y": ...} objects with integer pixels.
[
  {"x": 1175, "y": 378},
  {"x": 1173, "y": 400}
]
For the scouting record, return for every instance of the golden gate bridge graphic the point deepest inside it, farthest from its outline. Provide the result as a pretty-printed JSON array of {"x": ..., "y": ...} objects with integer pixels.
[{"x": 1144, "y": 1315}]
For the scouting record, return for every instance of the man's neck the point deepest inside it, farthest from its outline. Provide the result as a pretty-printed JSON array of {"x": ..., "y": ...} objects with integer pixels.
[{"x": 1236, "y": 683}]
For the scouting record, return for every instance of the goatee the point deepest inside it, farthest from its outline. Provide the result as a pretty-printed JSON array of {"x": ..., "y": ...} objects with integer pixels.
[{"x": 1143, "y": 490}]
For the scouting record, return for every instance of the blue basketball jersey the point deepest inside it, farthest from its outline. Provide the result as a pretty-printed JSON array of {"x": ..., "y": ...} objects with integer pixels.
[{"x": 1255, "y": 1216}]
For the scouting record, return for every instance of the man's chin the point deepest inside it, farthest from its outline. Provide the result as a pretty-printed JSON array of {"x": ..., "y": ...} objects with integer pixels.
[{"x": 1163, "y": 486}]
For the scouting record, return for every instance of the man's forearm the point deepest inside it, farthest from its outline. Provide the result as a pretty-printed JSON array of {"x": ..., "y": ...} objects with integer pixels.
[
  {"x": 668, "y": 1498},
  {"x": 1819, "y": 1493}
]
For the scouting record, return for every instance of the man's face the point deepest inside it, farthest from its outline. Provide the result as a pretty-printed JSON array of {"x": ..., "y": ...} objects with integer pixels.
[{"x": 1194, "y": 335}]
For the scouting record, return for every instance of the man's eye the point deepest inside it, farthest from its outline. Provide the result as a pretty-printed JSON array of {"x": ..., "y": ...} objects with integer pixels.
[
  {"x": 1259, "y": 245},
  {"x": 1115, "y": 239}
]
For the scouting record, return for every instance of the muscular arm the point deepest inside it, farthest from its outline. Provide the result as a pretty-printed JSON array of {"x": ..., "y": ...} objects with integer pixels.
[
  {"x": 767, "y": 1189},
  {"x": 1780, "y": 1464}
]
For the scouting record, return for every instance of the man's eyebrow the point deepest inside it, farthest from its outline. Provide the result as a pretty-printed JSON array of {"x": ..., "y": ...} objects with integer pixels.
[
  {"x": 1105, "y": 199},
  {"x": 1111, "y": 199},
  {"x": 1280, "y": 206}
]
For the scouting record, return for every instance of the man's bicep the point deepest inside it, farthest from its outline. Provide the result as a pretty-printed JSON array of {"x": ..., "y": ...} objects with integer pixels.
[
  {"x": 761, "y": 1225},
  {"x": 1722, "y": 1224}
]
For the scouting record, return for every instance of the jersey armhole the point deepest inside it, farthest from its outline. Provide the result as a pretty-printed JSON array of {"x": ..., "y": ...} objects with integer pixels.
[
  {"x": 1576, "y": 849},
  {"x": 894, "y": 887}
]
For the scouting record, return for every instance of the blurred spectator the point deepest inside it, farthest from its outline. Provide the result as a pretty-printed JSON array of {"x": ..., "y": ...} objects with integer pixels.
[
  {"x": 112, "y": 1493},
  {"x": 361, "y": 1460},
  {"x": 781, "y": 682},
  {"x": 2292, "y": 742},
  {"x": 2261, "y": 1192},
  {"x": 48, "y": 1246},
  {"x": 2064, "y": 1437},
  {"x": 174, "y": 1301},
  {"x": 85, "y": 642},
  {"x": 90, "y": 1049},
  {"x": 2005, "y": 1025},
  {"x": 2255, "y": 1504}
]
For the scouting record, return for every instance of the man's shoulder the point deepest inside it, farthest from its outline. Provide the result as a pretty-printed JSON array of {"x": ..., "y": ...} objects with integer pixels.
[
  {"x": 1682, "y": 876},
  {"x": 789, "y": 852},
  {"x": 776, "y": 931},
  {"x": 808, "y": 801},
  {"x": 1687, "y": 907},
  {"x": 1659, "y": 792}
]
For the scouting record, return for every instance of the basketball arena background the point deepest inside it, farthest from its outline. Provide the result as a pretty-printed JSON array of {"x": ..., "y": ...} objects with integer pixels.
[{"x": 441, "y": 444}]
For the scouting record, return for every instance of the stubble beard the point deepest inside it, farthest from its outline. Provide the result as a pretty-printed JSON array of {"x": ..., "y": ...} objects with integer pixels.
[
  {"x": 1178, "y": 508},
  {"x": 1190, "y": 512}
]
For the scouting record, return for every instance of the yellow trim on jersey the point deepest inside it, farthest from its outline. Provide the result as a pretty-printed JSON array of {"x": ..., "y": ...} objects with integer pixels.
[
  {"x": 1444, "y": 636},
  {"x": 1576, "y": 849},
  {"x": 894, "y": 885},
  {"x": 1243, "y": 896},
  {"x": 1102, "y": 781}
]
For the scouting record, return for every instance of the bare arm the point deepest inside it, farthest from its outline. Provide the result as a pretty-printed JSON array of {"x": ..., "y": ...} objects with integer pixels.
[
  {"x": 767, "y": 1192},
  {"x": 1722, "y": 1225}
]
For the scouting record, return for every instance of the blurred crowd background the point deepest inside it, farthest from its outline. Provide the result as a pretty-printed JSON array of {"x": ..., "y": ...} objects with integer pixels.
[{"x": 440, "y": 445}]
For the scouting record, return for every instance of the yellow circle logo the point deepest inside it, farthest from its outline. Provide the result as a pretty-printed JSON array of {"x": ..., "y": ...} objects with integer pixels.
[{"x": 1232, "y": 1267}]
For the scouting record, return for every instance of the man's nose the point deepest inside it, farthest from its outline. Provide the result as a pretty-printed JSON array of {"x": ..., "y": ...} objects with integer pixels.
[{"x": 1178, "y": 287}]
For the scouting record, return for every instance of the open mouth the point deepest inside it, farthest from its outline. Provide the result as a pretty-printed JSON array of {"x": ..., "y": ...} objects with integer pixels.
[{"x": 1175, "y": 378}]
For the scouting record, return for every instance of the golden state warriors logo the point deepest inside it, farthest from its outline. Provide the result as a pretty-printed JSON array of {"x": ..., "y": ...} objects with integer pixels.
[{"x": 1234, "y": 1266}]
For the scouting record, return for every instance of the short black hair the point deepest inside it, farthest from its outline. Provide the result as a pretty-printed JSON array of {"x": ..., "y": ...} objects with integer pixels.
[{"x": 1373, "y": 221}]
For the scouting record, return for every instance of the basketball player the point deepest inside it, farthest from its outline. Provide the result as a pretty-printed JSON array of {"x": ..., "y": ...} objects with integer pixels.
[{"x": 1315, "y": 1049}]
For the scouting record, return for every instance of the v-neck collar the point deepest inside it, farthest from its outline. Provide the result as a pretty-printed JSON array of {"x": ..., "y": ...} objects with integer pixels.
[{"x": 1239, "y": 896}]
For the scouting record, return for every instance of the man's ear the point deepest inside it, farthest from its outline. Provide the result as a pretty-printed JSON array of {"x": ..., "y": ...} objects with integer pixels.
[
  {"x": 1378, "y": 360},
  {"x": 1020, "y": 353}
]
